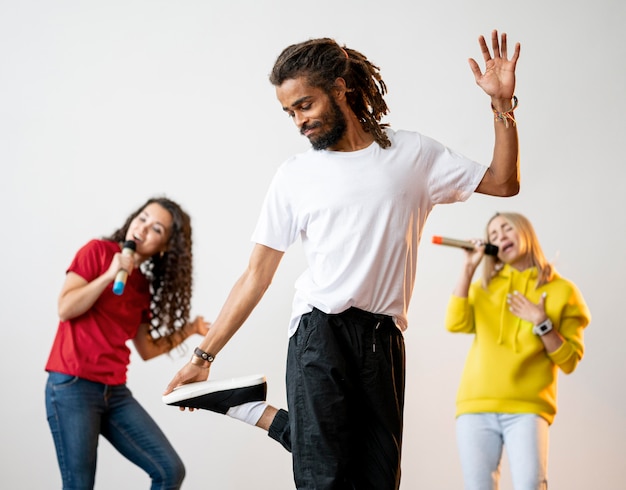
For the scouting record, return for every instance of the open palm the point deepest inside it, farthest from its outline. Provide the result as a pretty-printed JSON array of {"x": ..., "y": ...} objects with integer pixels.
[{"x": 498, "y": 80}]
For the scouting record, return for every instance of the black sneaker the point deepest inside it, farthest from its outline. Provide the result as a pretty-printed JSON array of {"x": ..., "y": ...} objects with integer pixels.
[{"x": 219, "y": 396}]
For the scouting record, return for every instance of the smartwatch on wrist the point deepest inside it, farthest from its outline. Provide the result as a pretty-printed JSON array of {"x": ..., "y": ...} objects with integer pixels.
[{"x": 543, "y": 328}]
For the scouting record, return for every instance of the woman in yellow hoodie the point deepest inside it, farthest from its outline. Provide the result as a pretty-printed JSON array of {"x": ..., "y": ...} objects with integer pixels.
[{"x": 527, "y": 323}]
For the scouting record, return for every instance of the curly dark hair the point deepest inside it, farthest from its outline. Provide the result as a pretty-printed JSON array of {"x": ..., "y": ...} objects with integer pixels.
[
  {"x": 321, "y": 62},
  {"x": 169, "y": 273}
]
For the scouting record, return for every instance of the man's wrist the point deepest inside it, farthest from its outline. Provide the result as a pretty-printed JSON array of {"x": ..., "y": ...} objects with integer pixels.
[
  {"x": 504, "y": 115},
  {"x": 197, "y": 361},
  {"x": 502, "y": 105},
  {"x": 201, "y": 358}
]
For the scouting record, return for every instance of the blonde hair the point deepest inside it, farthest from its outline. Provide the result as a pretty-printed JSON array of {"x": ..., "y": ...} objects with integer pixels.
[{"x": 529, "y": 247}]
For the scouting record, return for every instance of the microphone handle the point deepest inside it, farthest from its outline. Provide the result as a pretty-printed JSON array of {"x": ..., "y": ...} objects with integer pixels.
[
  {"x": 452, "y": 242},
  {"x": 122, "y": 274},
  {"x": 490, "y": 248},
  {"x": 120, "y": 282}
]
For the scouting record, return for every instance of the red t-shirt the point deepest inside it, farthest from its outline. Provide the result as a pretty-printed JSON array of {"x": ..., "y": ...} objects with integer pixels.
[{"x": 93, "y": 345}]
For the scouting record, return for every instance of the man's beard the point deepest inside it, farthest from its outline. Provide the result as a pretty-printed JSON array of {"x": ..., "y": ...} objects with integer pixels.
[{"x": 337, "y": 122}]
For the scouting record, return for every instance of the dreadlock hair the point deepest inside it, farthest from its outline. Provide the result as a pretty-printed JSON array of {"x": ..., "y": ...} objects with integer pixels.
[
  {"x": 169, "y": 273},
  {"x": 529, "y": 245},
  {"x": 321, "y": 62}
]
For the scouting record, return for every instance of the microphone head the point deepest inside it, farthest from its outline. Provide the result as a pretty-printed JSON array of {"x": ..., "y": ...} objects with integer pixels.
[
  {"x": 491, "y": 249},
  {"x": 130, "y": 244}
]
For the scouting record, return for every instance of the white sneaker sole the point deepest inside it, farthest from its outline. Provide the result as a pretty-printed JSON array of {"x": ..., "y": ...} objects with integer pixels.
[{"x": 219, "y": 395}]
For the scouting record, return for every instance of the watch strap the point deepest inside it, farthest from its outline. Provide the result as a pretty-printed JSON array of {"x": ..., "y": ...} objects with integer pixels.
[{"x": 205, "y": 356}]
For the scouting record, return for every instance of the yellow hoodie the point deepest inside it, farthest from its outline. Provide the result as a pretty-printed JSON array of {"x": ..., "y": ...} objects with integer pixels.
[{"x": 508, "y": 369}]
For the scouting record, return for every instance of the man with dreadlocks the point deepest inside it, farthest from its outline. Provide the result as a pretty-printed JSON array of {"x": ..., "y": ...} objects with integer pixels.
[{"x": 358, "y": 201}]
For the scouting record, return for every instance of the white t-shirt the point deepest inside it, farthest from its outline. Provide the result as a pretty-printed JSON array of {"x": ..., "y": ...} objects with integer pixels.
[{"x": 360, "y": 216}]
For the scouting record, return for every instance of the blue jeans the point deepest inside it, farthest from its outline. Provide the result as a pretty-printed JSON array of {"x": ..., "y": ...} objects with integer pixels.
[
  {"x": 79, "y": 411},
  {"x": 481, "y": 438}
]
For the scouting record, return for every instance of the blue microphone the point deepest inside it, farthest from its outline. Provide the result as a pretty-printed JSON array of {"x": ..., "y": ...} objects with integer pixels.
[{"x": 120, "y": 279}]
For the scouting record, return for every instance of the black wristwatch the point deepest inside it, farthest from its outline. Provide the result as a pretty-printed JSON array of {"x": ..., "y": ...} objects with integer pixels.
[{"x": 543, "y": 328}]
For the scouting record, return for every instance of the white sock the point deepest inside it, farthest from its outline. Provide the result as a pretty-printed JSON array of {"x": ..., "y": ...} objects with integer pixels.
[{"x": 248, "y": 412}]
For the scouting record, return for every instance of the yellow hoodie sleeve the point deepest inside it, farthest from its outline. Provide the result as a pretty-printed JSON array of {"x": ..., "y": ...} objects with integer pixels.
[
  {"x": 574, "y": 317},
  {"x": 459, "y": 315}
]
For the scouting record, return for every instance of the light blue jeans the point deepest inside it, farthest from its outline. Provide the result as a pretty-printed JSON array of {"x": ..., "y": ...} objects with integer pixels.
[
  {"x": 480, "y": 439},
  {"x": 79, "y": 411}
]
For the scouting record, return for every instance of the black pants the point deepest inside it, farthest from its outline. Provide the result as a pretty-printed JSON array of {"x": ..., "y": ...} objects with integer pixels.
[{"x": 345, "y": 393}]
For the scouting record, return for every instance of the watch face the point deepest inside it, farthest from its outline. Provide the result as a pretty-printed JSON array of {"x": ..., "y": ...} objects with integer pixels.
[{"x": 543, "y": 328}]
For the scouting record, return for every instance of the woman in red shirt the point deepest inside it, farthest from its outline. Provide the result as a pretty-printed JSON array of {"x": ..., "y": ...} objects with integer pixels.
[{"x": 86, "y": 393}]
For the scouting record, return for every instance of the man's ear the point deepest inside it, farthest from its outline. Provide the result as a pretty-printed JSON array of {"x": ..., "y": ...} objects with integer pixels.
[{"x": 339, "y": 89}]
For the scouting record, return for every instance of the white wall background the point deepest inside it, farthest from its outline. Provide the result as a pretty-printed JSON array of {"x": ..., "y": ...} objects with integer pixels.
[{"x": 103, "y": 104}]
